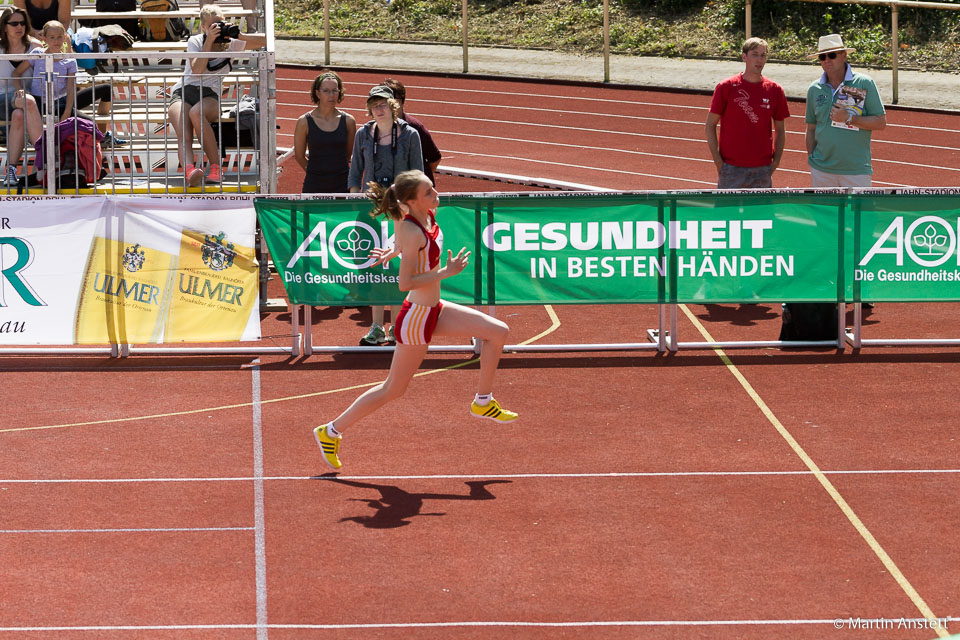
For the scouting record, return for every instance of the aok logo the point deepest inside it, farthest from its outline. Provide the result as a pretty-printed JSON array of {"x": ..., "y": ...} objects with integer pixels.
[
  {"x": 929, "y": 241},
  {"x": 348, "y": 243}
]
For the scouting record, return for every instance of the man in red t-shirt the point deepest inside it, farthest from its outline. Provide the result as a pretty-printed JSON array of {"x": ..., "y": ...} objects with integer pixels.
[{"x": 744, "y": 106}]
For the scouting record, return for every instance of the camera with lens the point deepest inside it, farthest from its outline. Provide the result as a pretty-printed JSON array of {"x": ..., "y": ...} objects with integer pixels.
[{"x": 227, "y": 32}]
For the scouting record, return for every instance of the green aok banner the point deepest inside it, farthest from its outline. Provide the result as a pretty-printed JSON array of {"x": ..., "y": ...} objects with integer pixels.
[{"x": 560, "y": 248}]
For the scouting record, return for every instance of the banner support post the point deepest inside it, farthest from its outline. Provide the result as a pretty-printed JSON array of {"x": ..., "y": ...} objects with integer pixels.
[
  {"x": 307, "y": 328},
  {"x": 295, "y": 330},
  {"x": 661, "y": 327},
  {"x": 674, "y": 340},
  {"x": 857, "y": 323}
]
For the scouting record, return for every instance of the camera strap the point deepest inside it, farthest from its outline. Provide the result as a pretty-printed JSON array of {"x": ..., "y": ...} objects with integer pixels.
[
  {"x": 393, "y": 139},
  {"x": 217, "y": 64}
]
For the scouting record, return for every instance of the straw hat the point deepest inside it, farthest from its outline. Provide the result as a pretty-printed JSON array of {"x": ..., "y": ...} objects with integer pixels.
[{"x": 832, "y": 42}]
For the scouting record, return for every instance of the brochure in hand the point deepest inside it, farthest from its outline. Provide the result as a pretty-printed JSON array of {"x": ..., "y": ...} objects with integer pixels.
[{"x": 851, "y": 99}]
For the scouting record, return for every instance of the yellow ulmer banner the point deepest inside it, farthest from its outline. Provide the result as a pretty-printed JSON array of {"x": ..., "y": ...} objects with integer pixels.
[
  {"x": 125, "y": 293},
  {"x": 214, "y": 285}
]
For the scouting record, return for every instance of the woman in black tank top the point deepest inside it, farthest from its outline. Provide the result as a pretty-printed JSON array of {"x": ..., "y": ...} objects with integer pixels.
[
  {"x": 323, "y": 139},
  {"x": 42, "y": 12}
]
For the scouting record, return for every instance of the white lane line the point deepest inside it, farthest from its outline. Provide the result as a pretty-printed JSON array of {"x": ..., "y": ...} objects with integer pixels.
[
  {"x": 600, "y": 169},
  {"x": 660, "y": 105},
  {"x": 468, "y": 118},
  {"x": 592, "y": 114},
  {"x": 892, "y": 569},
  {"x": 481, "y": 476},
  {"x": 148, "y": 530},
  {"x": 259, "y": 524},
  {"x": 554, "y": 96},
  {"x": 655, "y": 154},
  {"x": 450, "y": 154},
  {"x": 524, "y": 124},
  {"x": 843, "y": 622}
]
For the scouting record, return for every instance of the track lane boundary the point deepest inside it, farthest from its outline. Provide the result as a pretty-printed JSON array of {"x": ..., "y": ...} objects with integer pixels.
[{"x": 832, "y": 491}]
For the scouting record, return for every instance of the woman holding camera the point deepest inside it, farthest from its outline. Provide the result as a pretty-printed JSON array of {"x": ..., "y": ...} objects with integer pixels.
[
  {"x": 383, "y": 148},
  {"x": 195, "y": 100}
]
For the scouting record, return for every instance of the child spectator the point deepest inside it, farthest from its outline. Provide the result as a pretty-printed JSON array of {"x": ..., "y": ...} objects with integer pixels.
[{"x": 65, "y": 96}]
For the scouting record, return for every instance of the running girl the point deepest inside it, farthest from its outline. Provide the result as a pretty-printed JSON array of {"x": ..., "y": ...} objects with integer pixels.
[{"x": 412, "y": 202}]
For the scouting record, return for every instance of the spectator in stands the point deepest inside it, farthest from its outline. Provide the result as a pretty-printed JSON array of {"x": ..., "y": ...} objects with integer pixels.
[
  {"x": 43, "y": 11},
  {"x": 843, "y": 107},
  {"x": 195, "y": 100},
  {"x": 744, "y": 106},
  {"x": 19, "y": 108},
  {"x": 384, "y": 148},
  {"x": 431, "y": 153},
  {"x": 67, "y": 98},
  {"x": 323, "y": 138}
]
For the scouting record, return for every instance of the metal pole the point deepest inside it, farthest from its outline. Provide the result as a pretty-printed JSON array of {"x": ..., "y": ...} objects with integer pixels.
[
  {"x": 749, "y": 18},
  {"x": 267, "y": 93},
  {"x": 463, "y": 11},
  {"x": 50, "y": 115},
  {"x": 606, "y": 41},
  {"x": 326, "y": 32},
  {"x": 895, "y": 43}
]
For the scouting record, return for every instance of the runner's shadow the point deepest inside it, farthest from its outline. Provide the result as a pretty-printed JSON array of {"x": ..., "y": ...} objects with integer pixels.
[
  {"x": 395, "y": 507},
  {"x": 744, "y": 315}
]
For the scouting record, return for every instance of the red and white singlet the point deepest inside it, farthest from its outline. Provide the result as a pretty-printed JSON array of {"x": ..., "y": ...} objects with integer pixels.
[
  {"x": 415, "y": 323},
  {"x": 429, "y": 255}
]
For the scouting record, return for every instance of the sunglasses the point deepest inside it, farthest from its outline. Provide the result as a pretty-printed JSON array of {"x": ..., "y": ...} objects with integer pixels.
[
  {"x": 19, "y": 23},
  {"x": 823, "y": 56}
]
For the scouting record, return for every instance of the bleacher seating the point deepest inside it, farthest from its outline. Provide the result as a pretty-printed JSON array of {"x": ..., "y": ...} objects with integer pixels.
[{"x": 141, "y": 80}]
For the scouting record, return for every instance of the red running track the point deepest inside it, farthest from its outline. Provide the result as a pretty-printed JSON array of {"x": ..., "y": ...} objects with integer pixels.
[
  {"x": 768, "y": 494},
  {"x": 611, "y": 137}
]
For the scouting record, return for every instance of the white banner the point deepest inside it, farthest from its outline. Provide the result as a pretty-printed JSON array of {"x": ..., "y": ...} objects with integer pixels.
[{"x": 96, "y": 270}]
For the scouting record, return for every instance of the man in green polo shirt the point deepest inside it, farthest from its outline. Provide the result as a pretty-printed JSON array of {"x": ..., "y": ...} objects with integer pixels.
[{"x": 843, "y": 108}]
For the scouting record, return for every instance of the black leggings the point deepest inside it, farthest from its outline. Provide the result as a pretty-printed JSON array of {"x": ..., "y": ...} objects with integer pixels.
[
  {"x": 101, "y": 92},
  {"x": 85, "y": 97}
]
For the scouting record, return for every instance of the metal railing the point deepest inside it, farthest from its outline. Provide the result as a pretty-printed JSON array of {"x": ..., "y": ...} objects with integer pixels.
[
  {"x": 464, "y": 31},
  {"x": 894, "y": 24},
  {"x": 138, "y": 111},
  {"x": 893, "y": 4}
]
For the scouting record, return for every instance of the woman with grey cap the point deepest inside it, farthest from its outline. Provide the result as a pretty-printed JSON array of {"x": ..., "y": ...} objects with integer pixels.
[{"x": 383, "y": 148}]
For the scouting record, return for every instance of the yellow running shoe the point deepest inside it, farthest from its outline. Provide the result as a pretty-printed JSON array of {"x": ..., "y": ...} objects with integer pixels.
[
  {"x": 492, "y": 411},
  {"x": 329, "y": 445}
]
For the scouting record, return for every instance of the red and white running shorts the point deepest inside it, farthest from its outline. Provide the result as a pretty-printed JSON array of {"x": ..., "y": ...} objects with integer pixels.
[{"x": 415, "y": 323}]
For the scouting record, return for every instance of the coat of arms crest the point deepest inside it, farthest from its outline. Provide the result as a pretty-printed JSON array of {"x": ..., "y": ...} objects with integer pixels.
[
  {"x": 217, "y": 253},
  {"x": 133, "y": 258}
]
